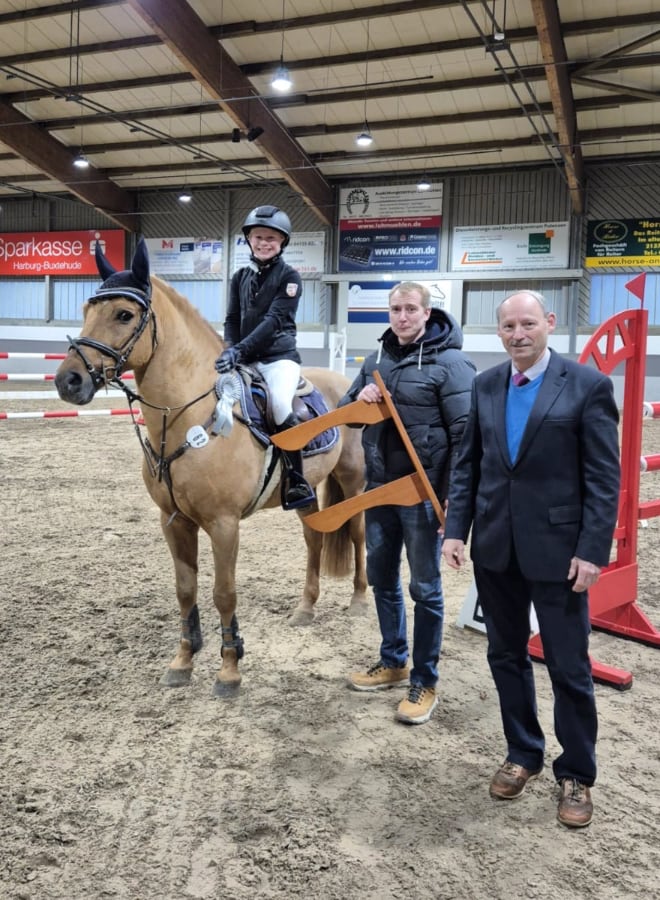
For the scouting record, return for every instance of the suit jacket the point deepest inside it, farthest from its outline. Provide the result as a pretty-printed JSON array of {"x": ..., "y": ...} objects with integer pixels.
[{"x": 560, "y": 497}]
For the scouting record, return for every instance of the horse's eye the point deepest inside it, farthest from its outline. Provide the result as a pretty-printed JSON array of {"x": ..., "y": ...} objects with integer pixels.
[{"x": 124, "y": 315}]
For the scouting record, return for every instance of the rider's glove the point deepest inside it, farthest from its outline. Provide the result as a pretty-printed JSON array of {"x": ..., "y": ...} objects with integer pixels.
[{"x": 228, "y": 360}]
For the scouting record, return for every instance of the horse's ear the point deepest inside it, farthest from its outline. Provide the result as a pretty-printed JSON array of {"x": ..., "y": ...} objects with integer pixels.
[
  {"x": 140, "y": 265},
  {"x": 102, "y": 264}
]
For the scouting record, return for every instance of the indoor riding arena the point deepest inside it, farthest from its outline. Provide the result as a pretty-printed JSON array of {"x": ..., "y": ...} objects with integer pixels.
[
  {"x": 148, "y": 149},
  {"x": 114, "y": 786}
]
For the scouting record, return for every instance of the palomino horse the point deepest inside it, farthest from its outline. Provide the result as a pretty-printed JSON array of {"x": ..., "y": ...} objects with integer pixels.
[{"x": 140, "y": 323}]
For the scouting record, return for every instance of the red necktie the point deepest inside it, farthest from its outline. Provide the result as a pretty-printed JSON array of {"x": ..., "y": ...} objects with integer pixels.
[{"x": 519, "y": 379}]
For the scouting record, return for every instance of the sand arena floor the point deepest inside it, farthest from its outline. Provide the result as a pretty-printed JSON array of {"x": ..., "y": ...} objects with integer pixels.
[{"x": 113, "y": 787}]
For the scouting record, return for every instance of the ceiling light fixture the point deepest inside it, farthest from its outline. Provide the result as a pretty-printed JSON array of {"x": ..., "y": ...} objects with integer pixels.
[
  {"x": 364, "y": 138},
  {"x": 282, "y": 79},
  {"x": 423, "y": 184},
  {"x": 80, "y": 161},
  {"x": 499, "y": 31},
  {"x": 185, "y": 196}
]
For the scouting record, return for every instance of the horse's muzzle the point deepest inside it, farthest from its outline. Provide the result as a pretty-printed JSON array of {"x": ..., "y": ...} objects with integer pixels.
[{"x": 74, "y": 386}]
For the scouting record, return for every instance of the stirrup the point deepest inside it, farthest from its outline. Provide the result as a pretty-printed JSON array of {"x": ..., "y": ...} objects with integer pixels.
[{"x": 296, "y": 492}]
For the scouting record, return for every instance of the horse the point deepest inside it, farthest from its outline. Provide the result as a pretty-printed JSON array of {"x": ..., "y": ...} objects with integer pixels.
[{"x": 200, "y": 479}]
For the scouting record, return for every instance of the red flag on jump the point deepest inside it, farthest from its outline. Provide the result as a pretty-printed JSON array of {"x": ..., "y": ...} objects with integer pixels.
[{"x": 636, "y": 286}]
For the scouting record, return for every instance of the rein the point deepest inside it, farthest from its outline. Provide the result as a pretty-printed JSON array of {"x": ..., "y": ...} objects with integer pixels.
[
  {"x": 162, "y": 471},
  {"x": 149, "y": 452}
]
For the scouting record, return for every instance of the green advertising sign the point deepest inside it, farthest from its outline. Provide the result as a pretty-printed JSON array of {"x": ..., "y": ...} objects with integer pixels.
[{"x": 623, "y": 242}]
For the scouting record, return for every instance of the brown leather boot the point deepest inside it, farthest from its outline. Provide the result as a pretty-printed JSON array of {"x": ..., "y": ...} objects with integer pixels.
[
  {"x": 575, "y": 808},
  {"x": 510, "y": 781}
]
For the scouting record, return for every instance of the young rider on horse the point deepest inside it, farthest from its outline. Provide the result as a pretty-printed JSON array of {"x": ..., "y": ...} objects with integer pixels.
[{"x": 260, "y": 330}]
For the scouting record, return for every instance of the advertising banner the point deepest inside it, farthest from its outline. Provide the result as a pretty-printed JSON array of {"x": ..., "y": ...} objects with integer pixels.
[
  {"x": 185, "y": 256},
  {"x": 537, "y": 245},
  {"x": 623, "y": 242},
  {"x": 30, "y": 253},
  {"x": 305, "y": 252},
  {"x": 390, "y": 227}
]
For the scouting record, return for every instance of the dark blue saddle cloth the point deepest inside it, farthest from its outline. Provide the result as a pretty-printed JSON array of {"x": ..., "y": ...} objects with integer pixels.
[{"x": 251, "y": 411}]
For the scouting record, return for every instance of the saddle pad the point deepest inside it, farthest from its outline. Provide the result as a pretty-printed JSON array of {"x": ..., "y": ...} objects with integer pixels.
[{"x": 255, "y": 422}]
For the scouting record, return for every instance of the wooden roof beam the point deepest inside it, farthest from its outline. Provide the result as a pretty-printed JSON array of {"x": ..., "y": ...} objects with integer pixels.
[
  {"x": 37, "y": 147},
  {"x": 199, "y": 51},
  {"x": 548, "y": 27}
]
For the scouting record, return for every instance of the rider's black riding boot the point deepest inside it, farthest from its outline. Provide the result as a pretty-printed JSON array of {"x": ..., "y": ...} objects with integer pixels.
[{"x": 296, "y": 491}]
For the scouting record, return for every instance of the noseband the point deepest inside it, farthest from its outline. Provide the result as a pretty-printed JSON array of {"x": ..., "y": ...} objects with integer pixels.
[{"x": 120, "y": 356}]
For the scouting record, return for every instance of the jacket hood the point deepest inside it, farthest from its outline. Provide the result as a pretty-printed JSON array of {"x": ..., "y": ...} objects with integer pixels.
[{"x": 442, "y": 333}]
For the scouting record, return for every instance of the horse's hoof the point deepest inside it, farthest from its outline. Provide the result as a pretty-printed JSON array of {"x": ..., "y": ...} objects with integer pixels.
[
  {"x": 226, "y": 689},
  {"x": 302, "y": 617},
  {"x": 173, "y": 678},
  {"x": 358, "y": 610}
]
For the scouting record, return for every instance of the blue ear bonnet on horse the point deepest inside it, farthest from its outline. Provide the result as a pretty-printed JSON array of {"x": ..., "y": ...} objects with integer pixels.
[{"x": 133, "y": 283}]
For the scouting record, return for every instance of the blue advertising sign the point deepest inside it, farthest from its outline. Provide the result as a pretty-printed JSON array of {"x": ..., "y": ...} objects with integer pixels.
[{"x": 378, "y": 233}]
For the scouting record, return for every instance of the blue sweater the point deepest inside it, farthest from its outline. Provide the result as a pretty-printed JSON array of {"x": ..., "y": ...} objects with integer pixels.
[{"x": 519, "y": 403}]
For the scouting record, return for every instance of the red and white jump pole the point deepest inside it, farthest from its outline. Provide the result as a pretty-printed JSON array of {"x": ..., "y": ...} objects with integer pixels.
[
  {"x": 12, "y": 355},
  {"x": 21, "y": 376},
  {"x": 64, "y": 413},
  {"x": 649, "y": 463},
  {"x": 651, "y": 410}
]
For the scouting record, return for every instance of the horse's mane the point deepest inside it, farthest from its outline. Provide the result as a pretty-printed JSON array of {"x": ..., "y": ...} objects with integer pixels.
[{"x": 184, "y": 305}]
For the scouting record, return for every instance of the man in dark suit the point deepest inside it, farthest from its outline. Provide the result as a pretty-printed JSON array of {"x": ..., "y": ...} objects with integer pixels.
[{"x": 537, "y": 481}]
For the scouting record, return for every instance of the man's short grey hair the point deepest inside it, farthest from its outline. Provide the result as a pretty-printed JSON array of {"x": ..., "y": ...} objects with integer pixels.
[
  {"x": 407, "y": 287},
  {"x": 537, "y": 295}
]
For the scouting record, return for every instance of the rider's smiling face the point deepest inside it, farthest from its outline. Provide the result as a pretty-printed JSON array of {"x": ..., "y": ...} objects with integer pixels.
[{"x": 265, "y": 243}]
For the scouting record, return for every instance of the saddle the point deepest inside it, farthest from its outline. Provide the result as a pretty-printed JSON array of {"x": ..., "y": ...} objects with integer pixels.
[
  {"x": 263, "y": 400},
  {"x": 246, "y": 387}
]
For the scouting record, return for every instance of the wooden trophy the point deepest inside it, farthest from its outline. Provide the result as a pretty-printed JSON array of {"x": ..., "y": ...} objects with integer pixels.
[{"x": 404, "y": 491}]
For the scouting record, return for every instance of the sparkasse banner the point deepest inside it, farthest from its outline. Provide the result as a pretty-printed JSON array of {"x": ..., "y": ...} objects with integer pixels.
[{"x": 30, "y": 253}]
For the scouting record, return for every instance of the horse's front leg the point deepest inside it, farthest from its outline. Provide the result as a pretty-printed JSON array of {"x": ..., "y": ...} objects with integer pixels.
[
  {"x": 224, "y": 540},
  {"x": 182, "y": 538}
]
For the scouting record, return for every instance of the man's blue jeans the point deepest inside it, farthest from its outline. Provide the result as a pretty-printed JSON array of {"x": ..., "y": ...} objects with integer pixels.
[{"x": 389, "y": 529}]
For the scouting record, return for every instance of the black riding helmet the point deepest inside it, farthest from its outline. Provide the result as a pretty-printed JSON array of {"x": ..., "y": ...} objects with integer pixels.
[{"x": 269, "y": 217}]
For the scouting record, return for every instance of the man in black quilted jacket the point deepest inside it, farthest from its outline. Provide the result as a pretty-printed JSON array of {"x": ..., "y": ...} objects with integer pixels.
[{"x": 429, "y": 378}]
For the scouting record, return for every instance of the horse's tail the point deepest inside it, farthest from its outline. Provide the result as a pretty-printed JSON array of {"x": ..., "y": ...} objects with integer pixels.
[{"x": 337, "y": 554}]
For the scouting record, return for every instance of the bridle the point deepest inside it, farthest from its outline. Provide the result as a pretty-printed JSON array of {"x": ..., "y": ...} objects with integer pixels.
[
  {"x": 100, "y": 376},
  {"x": 120, "y": 357}
]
